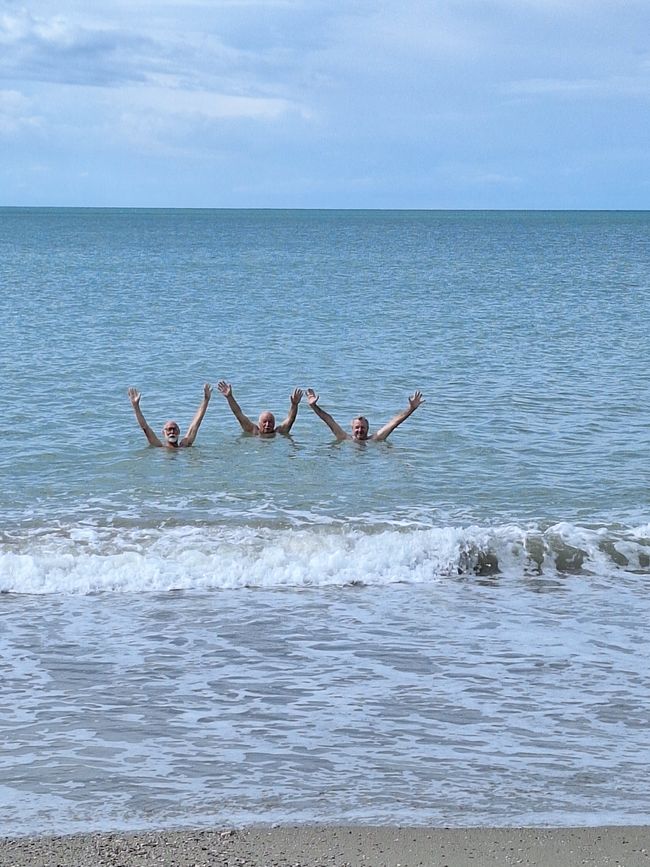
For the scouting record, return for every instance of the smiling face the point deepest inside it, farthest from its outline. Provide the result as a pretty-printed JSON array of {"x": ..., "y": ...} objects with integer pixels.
[
  {"x": 171, "y": 433},
  {"x": 266, "y": 423},
  {"x": 360, "y": 428}
]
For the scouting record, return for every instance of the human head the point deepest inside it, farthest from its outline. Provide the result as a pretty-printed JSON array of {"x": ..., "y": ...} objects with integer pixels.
[
  {"x": 360, "y": 428},
  {"x": 266, "y": 422},
  {"x": 171, "y": 432}
]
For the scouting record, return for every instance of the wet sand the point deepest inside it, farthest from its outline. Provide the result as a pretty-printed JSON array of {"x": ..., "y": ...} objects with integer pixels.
[{"x": 339, "y": 846}]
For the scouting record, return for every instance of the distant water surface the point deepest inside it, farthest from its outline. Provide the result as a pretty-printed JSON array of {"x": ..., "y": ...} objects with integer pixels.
[{"x": 449, "y": 628}]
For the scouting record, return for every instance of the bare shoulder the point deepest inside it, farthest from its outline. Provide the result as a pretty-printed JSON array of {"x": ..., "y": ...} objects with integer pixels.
[{"x": 378, "y": 437}]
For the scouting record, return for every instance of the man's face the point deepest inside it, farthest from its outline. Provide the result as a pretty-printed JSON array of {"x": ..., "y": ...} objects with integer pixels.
[
  {"x": 360, "y": 428},
  {"x": 171, "y": 432},
  {"x": 266, "y": 423}
]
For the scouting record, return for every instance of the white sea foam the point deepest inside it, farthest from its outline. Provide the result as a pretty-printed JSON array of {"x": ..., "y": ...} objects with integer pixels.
[{"x": 87, "y": 559}]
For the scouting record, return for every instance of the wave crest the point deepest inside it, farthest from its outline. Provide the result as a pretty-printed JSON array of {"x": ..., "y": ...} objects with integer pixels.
[{"x": 83, "y": 560}]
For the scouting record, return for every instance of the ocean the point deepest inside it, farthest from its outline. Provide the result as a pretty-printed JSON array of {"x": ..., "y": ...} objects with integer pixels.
[{"x": 448, "y": 628}]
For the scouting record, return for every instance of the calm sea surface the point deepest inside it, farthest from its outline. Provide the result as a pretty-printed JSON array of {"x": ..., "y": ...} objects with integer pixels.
[{"x": 448, "y": 628}]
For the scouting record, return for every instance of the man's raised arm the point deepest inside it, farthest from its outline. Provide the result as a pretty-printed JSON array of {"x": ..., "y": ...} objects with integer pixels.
[
  {"x": 134, "y": 397},
  {"x": 195, "y": 424},
  {"x": 414, "y": 402},
  {"x": 226, "y": 390},
  {"x": 287, "y": 424},
  {"x": 337, "y": 430}
]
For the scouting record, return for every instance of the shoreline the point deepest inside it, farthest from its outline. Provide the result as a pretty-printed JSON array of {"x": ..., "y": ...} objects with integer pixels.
[{"x": 336, "y": 846}]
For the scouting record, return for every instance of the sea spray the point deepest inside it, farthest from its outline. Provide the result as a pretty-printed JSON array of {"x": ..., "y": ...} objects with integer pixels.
[{"x": 211, "y": 557}]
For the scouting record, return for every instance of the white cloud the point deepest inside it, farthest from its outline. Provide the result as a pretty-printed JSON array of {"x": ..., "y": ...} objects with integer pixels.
[
  {"x": 16, "y": 114},
  {"x": 584, "y": 87},
  {"x": 355, "y": 94},
  {"x": 476, "y": 176},
  {"x": 205, "y": 104},
  {"x": 52, "y": 48}
]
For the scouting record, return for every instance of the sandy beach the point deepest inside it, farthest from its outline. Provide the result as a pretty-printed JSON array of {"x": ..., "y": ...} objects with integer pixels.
[{"x": 337, "y": 846}]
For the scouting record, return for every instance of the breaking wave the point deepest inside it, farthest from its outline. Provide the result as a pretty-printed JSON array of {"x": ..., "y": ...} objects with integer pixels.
[{"x": 94, "y": 559}]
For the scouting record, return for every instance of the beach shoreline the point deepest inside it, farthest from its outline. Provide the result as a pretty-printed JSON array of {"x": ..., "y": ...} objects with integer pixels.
[{"x": 342, "y": 846}]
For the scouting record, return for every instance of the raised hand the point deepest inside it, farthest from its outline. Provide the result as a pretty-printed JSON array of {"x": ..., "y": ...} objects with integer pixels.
[
  {"x": 225, "y": 388},
  {"x": 134, "y": 397},
  {"x": 312, "y": 397},
  {"x": 415, "y": 400},
  {"x": 207, "y": 391},
  {"x": 296, "y": 396}
]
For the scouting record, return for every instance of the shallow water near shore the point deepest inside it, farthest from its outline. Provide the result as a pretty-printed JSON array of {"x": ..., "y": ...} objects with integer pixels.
[
  {"x": 463, "y": 703},
  {"x": 449, "y": 628}
]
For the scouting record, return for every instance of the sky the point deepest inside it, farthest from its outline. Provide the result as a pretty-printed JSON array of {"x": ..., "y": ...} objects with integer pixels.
[{"x": 325, "y": 103}]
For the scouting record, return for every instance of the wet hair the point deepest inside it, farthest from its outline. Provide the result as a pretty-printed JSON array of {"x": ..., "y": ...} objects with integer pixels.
[{"x": 361, "y": 418}]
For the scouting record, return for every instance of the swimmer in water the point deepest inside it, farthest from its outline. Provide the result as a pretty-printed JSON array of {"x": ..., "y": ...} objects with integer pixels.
[
  {"x": 266, "y": 422},
  {"x": 171, "y": 431},
  {"x": 360, "y": 423}
]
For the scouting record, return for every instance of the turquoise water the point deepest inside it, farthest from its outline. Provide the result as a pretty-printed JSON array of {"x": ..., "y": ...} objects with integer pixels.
[{"x": 376, "y": 632}]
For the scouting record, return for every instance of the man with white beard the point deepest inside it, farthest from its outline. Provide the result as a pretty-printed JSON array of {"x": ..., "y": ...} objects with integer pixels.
[{"x": 171, "y": 431}]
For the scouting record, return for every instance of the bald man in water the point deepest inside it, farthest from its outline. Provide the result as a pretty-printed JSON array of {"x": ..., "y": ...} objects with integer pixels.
[
  {"x": 171, "y": 431},
  {"x": 360, "y": 424},
  {"x": 266, "y": 422}
]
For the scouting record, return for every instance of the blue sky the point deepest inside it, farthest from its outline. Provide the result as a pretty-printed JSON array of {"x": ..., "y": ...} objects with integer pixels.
[{"x": 303, "y": 103}]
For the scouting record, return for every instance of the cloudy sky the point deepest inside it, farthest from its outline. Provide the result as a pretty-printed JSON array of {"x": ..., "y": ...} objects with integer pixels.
[{"x": 326, "y": 103}]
